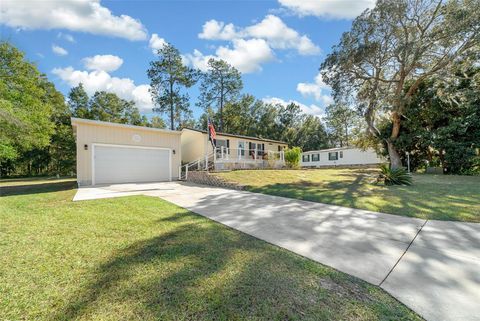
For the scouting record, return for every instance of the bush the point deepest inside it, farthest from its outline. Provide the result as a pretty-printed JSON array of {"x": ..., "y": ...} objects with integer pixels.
[
  {"x": 292, "y": 157},
  {"x": 394, "y": 176}
]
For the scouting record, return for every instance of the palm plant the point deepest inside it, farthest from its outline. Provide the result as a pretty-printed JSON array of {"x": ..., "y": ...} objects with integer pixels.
[{"x": 394, "y": 176}]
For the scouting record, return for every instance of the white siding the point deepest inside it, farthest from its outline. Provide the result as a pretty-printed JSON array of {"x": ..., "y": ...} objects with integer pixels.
[
  {"x": 121, "y": 164},
  {"x": 351, "y": 156}
]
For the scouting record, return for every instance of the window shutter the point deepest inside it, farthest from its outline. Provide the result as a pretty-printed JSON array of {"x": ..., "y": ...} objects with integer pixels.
[{"x": 228, "y": 143}]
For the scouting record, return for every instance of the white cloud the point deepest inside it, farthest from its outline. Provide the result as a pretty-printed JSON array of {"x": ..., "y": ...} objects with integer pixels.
[
  {"x": 197, "y": 60},
  {"x": 156, "y": 43},
  {"x": 217, "y": 30},
  {"x": 271, "y": 29},
  {"x": 66, "y": 36},
  {"x": 337, "y": 9},
  {"x": 59, "y": 50},
  {"x": 103, "y": 62},
  {"x": 309, "y": 110},
  {"x": 280, "y": 36},
  {"x": 86, "y": 16},
  {"x": 316, "y": 90},
  {"x": 245, "y": 55},
  {"x": 99, "y": 80}
]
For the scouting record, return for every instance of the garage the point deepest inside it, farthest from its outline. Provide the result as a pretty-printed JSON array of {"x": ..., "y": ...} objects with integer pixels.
[
  {"x": 127, "y": 164},
  {"x": 112, "y": 153}
]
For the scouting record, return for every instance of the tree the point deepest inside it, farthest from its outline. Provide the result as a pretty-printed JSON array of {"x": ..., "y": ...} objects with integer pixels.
[
  {"x": 25, "y": 107},
  {"x": 340, "y": 120},
  {"x": 292, "y": 156},
  {"x": 442, "y": 121},
  {"x": 168, "y": 76},
  {"x": 221, "y": 83},
  {"x": 104, "y": 106},
  {"x": 289, "y": 120},
  {"x": 157, "y": 122},
  {"x": 395, "y": 44},
  {"x": 311, "y": 135},
  {"x": 62, "y": 149},
  {"x": 78, "y": 102}
]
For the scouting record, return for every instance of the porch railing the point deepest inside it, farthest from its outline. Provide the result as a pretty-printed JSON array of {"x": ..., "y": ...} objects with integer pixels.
[
  {"x": 236, "y": 154},
  {"x": 223, "y": 158}
]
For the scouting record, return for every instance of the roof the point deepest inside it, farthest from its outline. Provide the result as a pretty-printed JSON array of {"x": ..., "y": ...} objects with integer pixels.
[
  {"x": 330, "y": 149},
  {"x": 239, "y": 136},
  {"x": 76, "y": 121}
]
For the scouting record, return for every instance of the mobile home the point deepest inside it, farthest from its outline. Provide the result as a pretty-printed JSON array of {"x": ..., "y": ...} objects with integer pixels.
[{"x": 341, "y": 156}]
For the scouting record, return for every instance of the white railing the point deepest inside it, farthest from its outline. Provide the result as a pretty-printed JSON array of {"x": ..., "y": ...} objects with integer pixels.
[
  {"x": 203, "y": 163},
  {"x": 245, "y": 154},
  {"x": 223, "y": 158}
]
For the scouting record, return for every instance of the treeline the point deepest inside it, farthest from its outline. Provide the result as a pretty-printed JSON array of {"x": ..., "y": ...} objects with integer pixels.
[
  {"x": 251, "y": 117},
  {"x": 36, "y": 137},
  {"x": 411, "y": 69}
]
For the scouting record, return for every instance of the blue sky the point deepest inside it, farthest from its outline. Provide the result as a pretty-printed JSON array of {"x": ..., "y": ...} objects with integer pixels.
[{"x": 278, "y": 45}]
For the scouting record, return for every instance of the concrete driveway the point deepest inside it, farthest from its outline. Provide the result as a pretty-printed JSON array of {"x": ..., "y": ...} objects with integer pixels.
[{"x": 431, "y": 266}]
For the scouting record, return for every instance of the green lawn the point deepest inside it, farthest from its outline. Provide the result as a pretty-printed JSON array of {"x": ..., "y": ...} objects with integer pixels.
[
  {"x": 440, "y": 197},
  {"x": 141, "y": 258}
]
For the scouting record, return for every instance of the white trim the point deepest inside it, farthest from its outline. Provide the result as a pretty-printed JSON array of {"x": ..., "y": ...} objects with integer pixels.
[
  {"x": 239, "y": 154},
  {"x": 131, "y": 146},
  {"x": 79, "y": 121}
]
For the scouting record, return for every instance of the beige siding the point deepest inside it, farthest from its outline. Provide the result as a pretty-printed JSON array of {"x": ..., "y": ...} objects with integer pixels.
[
  {"x": 88, "y": 134},
  {"x": 233, "y": 142},
  {"x": 193, "y": 145}
]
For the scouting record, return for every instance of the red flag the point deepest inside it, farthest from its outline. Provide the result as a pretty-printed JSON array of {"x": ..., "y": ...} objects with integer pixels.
[{"x": 211, "y": 131}]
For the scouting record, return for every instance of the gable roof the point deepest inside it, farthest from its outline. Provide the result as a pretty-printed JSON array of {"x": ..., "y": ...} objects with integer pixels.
[
  {"x": 239, "y": 136},
  {"x": 330, "y": 149},
  {"x": 77, "y": 121}
]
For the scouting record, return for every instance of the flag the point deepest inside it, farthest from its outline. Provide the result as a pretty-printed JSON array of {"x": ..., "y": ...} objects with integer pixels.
[{"x": 212, "y": 135}]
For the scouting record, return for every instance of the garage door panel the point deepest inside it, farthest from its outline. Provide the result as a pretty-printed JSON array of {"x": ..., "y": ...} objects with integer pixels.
[{"x": 114, "y": 164}]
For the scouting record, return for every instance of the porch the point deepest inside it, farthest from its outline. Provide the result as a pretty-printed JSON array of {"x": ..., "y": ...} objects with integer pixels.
[{"x": 224, "y": 159}]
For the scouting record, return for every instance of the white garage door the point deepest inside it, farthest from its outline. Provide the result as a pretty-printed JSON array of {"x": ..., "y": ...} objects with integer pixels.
[{"x": 114, "y": 164}]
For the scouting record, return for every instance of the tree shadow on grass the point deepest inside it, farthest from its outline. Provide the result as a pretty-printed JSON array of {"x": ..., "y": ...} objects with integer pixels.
[
  {"x": 424, "y": 199},
  {"x": 37, "y": 188},
  {"x": 203, "y": 271}
]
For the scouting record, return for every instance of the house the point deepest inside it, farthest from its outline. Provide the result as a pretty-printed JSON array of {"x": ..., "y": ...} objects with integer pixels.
[
  {"x": 342, "y": 156},
  {"x": 109, "y": 153},
  {"x": 118, "y": 153},
  {"x": 232, "y": 151}
]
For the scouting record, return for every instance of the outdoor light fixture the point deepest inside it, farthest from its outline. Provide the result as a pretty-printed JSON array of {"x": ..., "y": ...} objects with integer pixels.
[
  {"x": 173, "y": 151},
  {"x": 85, "y": 147}
]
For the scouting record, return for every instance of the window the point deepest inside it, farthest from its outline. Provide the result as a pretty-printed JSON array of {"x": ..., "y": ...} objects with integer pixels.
[
  {"x": 305, "y": 158},
  {"x": 260, "y": 149},
  {"x": 251, "y": 149},
  {"x": 222, "y": 144},
  {"x": 241, "y": 149},
  {"x": 341, "y": 154},
  {"x": 315, "y": 157},
  {"x": 333, "y": 156}
]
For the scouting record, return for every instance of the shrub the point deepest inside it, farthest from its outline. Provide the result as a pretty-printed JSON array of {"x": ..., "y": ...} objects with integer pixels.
[
  {"x": 292, "y": 157},
  {"x": 394, "y": 176}
]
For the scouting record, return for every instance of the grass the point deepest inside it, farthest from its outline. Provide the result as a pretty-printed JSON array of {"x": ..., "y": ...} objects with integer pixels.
[
  {"x": 141, "y": 258},
  {"x": 438, "y": 197}
]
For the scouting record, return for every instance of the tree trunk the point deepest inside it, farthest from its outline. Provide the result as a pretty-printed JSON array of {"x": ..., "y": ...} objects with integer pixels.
[
  {"x": 395, "y": 160},
  {"x": 221, "y": 108},
  {"x": 346, "y": 134},
  {"x": 171, "y": 106}
]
